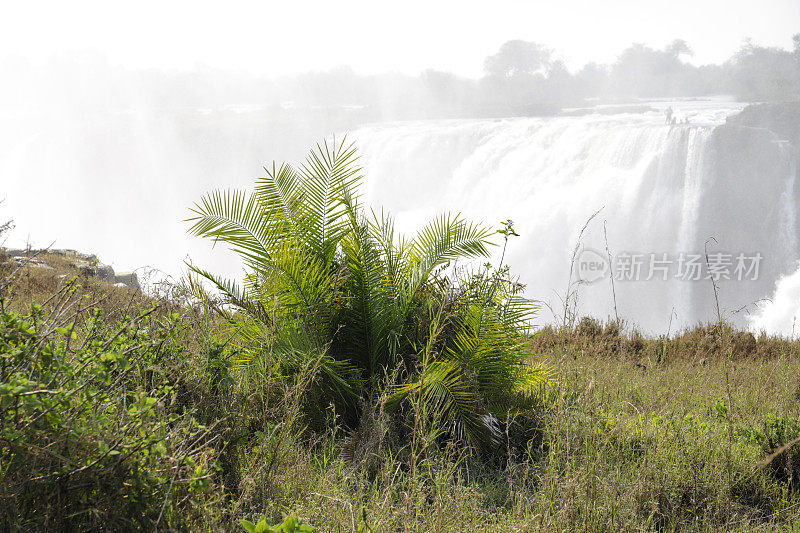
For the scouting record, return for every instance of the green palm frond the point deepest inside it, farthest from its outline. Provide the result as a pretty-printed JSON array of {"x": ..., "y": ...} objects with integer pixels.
[
  {"x": 235, "y": 218},
  {"x": 484, "y": 348},
  {"x": 531, "y": 379},
  {"x": 394, "y": 251},
  {"x": 449, "y": 237},
  {"x": 518, "y": 312},
  {"x": 307, "y": 278},
  {"x": 488, "y": 341},
  {"x": 373, "y": 314},
  {"x": 232, "y": 295},
  {"x": 329, "y": 173},
  {"x": 450, "y": 400},
  {"x": 280, "y": 196},
  {"x": 293, "y": 354},
  {"x": 443, "y": 240}
]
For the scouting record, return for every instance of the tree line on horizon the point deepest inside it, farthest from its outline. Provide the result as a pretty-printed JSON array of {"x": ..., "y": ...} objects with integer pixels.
[{"x": 521, "y": 78}]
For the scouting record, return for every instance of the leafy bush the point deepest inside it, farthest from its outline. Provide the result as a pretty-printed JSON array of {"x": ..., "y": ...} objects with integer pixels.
[
  {"x": 372, "y": 313},
  {"x": 85, "y": 438},
  {"x": 775, "y": 437},
  {"x": 291, "y": 524}
]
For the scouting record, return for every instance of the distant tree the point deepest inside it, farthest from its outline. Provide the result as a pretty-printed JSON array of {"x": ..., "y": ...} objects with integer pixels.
[
  {"x": 678, "y": 48},
  {"x": 765, "y": 73},
  {"x": 644, "y": 71},
  {"x": 446, "y": 93},
  {"x": 796, "y": 41},
  {"x": 591, "y": 80},
  {"x": 518, "y": 58},
  {"x": 438, "y": 80},
  {"x": 442, "y": 87},
  {"x": 560, "y": 87},
  {"x": 523, "y": 78}
]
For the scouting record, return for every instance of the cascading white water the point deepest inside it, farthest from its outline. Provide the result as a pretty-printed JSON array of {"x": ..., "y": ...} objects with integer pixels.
[
  {"x": 779, "y": 312},
  {"x": 654, "y": 182}
]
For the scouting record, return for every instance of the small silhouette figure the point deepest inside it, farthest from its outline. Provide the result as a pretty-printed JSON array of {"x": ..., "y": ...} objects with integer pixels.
[
  {"x": 670, "y": 118},
  {"x": 686, "y": 120}
]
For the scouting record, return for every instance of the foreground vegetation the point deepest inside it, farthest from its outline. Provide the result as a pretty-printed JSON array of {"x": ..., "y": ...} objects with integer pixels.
[
  {"x": 355, "y": 383},
  {"x": 618, "y": 446}
]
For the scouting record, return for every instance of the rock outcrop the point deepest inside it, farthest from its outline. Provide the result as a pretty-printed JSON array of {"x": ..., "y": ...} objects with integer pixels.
[{"x": 86, "y": 264}]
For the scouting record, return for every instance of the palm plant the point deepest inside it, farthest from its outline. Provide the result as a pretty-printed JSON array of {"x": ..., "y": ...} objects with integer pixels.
[{"x": 328, "y": 284}]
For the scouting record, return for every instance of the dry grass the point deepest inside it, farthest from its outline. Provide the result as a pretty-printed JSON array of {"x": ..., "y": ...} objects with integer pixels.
[{"x": 698, "y": 345}]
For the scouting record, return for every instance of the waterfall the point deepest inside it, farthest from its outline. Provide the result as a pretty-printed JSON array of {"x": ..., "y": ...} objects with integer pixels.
[
  {"x": 778, "y": 313},
  {"x": 663, "y": 189}
]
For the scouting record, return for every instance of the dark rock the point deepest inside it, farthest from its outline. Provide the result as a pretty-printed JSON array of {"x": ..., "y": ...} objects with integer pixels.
[
  {"x": 104, "y": 272},
  {"x": 128, "y": 278}
]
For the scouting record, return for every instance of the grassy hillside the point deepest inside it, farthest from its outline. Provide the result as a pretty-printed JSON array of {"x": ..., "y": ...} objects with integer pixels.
[{"x": 125, "y": 412}]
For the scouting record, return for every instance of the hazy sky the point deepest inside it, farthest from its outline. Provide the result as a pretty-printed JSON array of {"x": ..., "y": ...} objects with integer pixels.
[{"x": 285, "y": 37}]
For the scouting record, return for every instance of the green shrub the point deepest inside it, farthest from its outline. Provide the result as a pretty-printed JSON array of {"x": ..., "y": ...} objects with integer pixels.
[
  {"x": 291, "y": 524},
  {"x": 772, "y": 436},
  {"x": 371, "y": 313},
  {"x": 86, "y": 438}
]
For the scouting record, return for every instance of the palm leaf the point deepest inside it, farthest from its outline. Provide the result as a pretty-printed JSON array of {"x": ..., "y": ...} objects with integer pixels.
[
  {"x": 372, "y": 302},
  {"x": 236, "y": 218},
  {"x": 231, "y": 294},
  {"x": 451, "y": 401},
  {"x": 328, "y": 174},
  {"x": 280, "y": 197},
  {"x": 447, "y": 238}
]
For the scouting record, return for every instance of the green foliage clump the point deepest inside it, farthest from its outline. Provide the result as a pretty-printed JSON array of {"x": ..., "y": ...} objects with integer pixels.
[
  {"x": 291, "y": 524},
  {"x": 85, "y": 438},
  {"x": 376, "y": 315},
  {"x": 776, "y": 437}
]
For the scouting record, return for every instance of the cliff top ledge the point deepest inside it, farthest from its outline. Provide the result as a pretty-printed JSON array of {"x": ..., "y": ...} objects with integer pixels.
[{"x": 66, "y": 259}]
